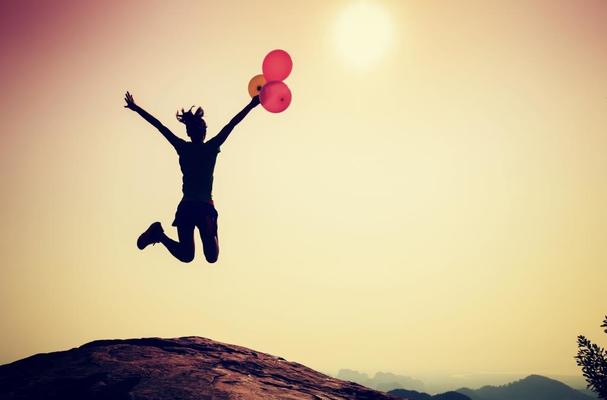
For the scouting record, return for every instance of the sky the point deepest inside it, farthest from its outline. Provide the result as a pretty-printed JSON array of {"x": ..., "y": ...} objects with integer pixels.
[{"x": 432, "y": 201}]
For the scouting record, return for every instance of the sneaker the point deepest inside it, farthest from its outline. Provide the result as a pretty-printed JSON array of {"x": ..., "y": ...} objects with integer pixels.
[{"x": 151, "y": 236}]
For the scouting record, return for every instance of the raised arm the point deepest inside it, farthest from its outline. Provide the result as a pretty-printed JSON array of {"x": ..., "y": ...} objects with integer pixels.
[
  {"x": 225, "y": 132},
  {"x": 170, "y": 136}
]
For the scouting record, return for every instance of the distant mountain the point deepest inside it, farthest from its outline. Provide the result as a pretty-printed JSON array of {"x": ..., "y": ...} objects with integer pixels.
[
  {"x": 589, "y": 392},
  {"x": 353, "y": 376},
  {"x": 533, "y": 387},
  {"x": 410, "y": 394},
  {"x": 451, "y": 395},
  {"x": 415, "y": 395},
  {"x": 382, "y": 381}
]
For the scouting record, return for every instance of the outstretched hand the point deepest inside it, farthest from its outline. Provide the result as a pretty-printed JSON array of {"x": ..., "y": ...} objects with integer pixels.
[{"x": 130, "y": 102}]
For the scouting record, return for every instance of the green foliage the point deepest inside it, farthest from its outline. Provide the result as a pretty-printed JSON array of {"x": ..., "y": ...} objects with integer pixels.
[{"x": 593, "y": 360}]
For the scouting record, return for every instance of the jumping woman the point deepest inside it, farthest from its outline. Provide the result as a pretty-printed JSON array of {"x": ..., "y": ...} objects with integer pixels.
[{"x": 197, "y": 161}]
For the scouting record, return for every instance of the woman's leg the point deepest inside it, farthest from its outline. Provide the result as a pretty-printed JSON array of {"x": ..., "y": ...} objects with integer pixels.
[
  {"x": 184, "y": 249},
  {"x": 210, "y": 241}
]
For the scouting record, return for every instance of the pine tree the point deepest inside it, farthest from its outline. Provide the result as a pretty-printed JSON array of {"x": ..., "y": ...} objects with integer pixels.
[{"x": 593, "y": 360}]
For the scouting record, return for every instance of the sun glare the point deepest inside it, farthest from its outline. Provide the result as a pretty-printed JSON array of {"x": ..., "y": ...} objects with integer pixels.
[{"x": 362, "y": 33}]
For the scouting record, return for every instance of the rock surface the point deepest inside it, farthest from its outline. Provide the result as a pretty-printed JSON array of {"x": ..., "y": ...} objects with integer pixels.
[{"x": 159, "y": 369}]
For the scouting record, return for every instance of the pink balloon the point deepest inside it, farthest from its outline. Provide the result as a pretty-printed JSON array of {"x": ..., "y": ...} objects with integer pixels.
[
  {"x": 275, "y": 96},
  {"x": 277, "y": 65}
]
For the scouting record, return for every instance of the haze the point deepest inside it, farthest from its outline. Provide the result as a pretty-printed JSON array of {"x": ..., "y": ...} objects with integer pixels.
[{"x": 439, "y": 210}]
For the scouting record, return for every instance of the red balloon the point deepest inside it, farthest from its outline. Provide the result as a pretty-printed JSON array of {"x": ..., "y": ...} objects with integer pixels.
[
  {"x": 277, "y": 65},
  {"x": 275, "y": 96}
]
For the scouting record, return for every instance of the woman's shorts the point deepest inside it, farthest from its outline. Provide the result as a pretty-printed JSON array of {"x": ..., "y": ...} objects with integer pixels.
[{"x": 195, "y": 213}]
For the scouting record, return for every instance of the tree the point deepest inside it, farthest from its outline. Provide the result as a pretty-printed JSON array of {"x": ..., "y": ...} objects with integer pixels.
[{"x": 593, "y": 360}]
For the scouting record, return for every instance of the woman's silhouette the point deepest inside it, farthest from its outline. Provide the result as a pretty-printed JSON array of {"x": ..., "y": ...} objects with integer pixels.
[{"x": 197, "y": 160}]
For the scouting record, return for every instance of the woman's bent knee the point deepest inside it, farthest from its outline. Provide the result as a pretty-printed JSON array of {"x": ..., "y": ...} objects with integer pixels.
[
  {"x": 187, "y": 258},
  {"x": 211, "y": 253}
]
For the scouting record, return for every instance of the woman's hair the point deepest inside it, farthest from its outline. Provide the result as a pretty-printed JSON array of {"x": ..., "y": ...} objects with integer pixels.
[{"x": 190, "y": 118}]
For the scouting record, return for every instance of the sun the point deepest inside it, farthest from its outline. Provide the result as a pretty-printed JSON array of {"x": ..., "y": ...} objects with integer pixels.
[{"x": 363, "y": 32}]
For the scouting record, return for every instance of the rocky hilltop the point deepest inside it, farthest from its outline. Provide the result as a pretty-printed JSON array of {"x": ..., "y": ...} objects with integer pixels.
[{"x": 162, "y": 369}]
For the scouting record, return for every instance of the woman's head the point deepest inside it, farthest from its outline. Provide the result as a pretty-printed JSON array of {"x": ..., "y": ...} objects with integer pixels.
[{"x": 194, "y": 123}]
